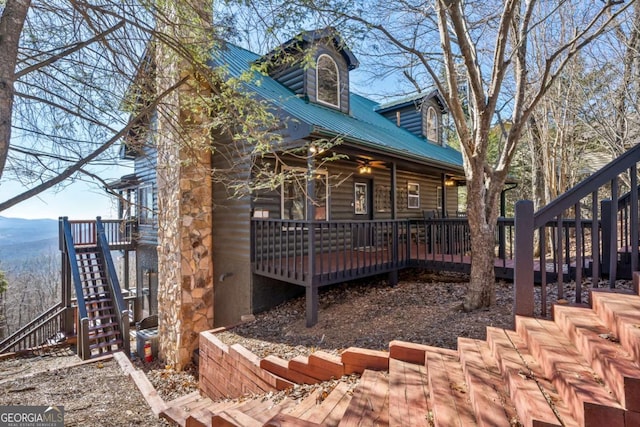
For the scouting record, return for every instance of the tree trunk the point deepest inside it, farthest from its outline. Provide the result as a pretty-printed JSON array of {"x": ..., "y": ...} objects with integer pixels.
[
  {"x": 11, "y": 22},
  {"x": 481, "y": 292}
]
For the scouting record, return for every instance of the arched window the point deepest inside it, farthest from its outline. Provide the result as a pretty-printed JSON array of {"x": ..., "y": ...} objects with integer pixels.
[
  {"x": 328, "y": 81},
  {"x": 432, "y": 125}
]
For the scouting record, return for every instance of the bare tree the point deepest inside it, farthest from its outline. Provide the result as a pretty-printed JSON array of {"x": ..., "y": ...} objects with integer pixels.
[
  {"x": 71, "y": 82},
  {"x": 488, "y": 45}
]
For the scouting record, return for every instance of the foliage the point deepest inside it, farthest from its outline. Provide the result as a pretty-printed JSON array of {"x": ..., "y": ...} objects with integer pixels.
[{"x": 4, "y": 283}]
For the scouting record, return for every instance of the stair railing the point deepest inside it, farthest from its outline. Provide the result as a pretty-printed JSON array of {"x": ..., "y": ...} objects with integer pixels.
[
  {"x": 601, "y": 254},
  {"x": 83, "y": 317},
  {"x": 114, "y": 285},
  {"x": 36, "y": 332}
]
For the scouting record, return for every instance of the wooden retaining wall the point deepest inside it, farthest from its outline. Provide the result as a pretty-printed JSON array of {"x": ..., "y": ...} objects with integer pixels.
[{"x": 229, "y": 371}]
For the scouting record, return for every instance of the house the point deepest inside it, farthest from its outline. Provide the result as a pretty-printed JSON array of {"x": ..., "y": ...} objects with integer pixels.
[{"x": 388, "y": 163}]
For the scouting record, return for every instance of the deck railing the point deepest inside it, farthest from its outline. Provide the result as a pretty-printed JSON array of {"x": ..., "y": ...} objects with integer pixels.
[
  {"x": 600, "y": 232},
  {"x": 340, "y": 250},
  {"x": 119, "y": 232}
]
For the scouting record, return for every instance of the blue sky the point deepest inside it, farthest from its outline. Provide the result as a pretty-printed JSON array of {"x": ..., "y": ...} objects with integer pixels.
[{"x": 79, "y": 200}]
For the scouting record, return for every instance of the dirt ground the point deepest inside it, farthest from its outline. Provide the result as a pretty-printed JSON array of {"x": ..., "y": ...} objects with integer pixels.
[
  {"x": 93, "y": 394},
  {"x": 422, "y": 308}
]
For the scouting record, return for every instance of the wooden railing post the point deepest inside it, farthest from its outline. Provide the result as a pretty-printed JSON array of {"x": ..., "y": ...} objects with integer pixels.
[
  {"x": 605, "y": 212},
  {"x": 523, "y": 268},
  {"x": 311, "y": 299}
]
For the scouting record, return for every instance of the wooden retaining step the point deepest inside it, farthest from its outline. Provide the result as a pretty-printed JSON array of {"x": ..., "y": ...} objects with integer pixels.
[
  {"x": 178, "y": 410},
  {"x": 370, "y": 403},
  {"x": 621, "y": 314},
  {"x": 331, "y": 411},
  {"x": 488, "y": 393},
  {"x": 408, "y": 394},
  {"x": 603, "y": 352},
  {"x": 536, "y": 399},
  {"x": 578, "y": 385},
  {"x": 315, "y": 410},
  {"x": 448, "y": 394}
]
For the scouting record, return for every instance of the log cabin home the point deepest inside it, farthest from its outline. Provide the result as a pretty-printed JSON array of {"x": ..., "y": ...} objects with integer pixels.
[{"x": 390, "y": 164}]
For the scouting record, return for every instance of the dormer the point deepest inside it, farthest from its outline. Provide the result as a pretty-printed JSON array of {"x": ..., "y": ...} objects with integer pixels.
[
  {"x": 314, "y": 65},
  {"x": 421, "y": 114}
]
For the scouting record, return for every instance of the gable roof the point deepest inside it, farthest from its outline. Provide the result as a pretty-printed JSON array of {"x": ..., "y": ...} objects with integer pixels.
[
  {"x": 412, "y": 101},
  {"x": 304, "y": 39},
  {"x": 364, "y": 127}
]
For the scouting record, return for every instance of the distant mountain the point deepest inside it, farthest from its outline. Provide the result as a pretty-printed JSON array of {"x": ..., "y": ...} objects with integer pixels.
[{"x": 22, "y": 239}]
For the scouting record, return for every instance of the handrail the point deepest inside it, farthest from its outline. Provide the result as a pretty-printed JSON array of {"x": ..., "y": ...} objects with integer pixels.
[
  {"x": 13, "y": 339},
  {"x": 602, "y": 177},
  {"x": 83, "y": 317},
  {"x": 611, "y": 223},
  {"x": 75, "y": 273},
  {"x": 114, "y": 285}
]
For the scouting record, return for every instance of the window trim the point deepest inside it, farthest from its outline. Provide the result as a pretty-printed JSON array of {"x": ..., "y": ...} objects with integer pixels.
[
  {"x": 432, "y": 125},
  {"x": 321, "y": 101},
  {"x": 304, "y": 171},
  {"x": 145, "y": 213},
  {"x": 413, "y": 196}
]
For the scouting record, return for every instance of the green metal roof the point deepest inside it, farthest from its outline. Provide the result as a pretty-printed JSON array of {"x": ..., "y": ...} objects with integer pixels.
[{"x": 363, "y": 127}]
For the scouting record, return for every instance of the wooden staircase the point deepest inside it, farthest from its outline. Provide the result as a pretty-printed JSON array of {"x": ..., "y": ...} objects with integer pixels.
[
  {"x": 104, "y": 332},
  {"x": 580, "y": 369},
  {"x": 103, "y": 320}
]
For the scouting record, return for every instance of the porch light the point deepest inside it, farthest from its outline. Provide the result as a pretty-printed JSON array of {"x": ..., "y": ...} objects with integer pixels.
[
  {"x": 364, "y": 169},
  {"x": 449, "y": 183}
]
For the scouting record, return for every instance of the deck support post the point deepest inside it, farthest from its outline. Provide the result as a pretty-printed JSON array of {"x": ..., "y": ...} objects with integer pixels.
[
  {"x": 311, "y": 301},
  {"x": 523, "y": 268},
  {"x": 393, "y": 278}
]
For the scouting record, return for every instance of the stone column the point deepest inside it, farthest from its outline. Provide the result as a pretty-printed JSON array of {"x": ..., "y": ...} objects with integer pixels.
[{"x": 185, "y": 266}]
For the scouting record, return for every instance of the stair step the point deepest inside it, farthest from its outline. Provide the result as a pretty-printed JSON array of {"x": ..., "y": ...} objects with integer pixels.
[
  {"x": 489, "y": 395},
  {"x": 306, "y": 405},
  {"x": 536, "y": 399},
  {"x": 621, "y": 313},
  {"x": 178, "y": 410},
  {"x": 369, "y": 405},
  {"x": 604, "y": 354},
  {"x": 268, "y": 409},
  {"x": 281, "y": 420},
  {"x": 108, "y": 308},
  {"x": 448, "y": 394},
  {"x": 96, "y": 299},
  {"x": 578, "y": 385},
  {"x": 95, "y": 337},
  {"x": 105, "y": 344},
  {"x": 332, "y": 409},
  {"x": 103, "y": 326},
  {"x": 408, "y": 394},
  {"x": 202, "y": 416},
  {"x": 234, "y": 418}
]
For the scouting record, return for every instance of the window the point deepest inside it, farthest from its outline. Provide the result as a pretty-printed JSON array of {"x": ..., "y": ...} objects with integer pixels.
[
  {"x": 145, "y": 205},
  {"x": 294, "y": 191},
  {"x": 432, "y": 125},
  {"x": 361, "y": 198},
  {"x": 327, "y": 81},
  {"x": 439, "y": 199},
  {"x": 413, "y": 195}
]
